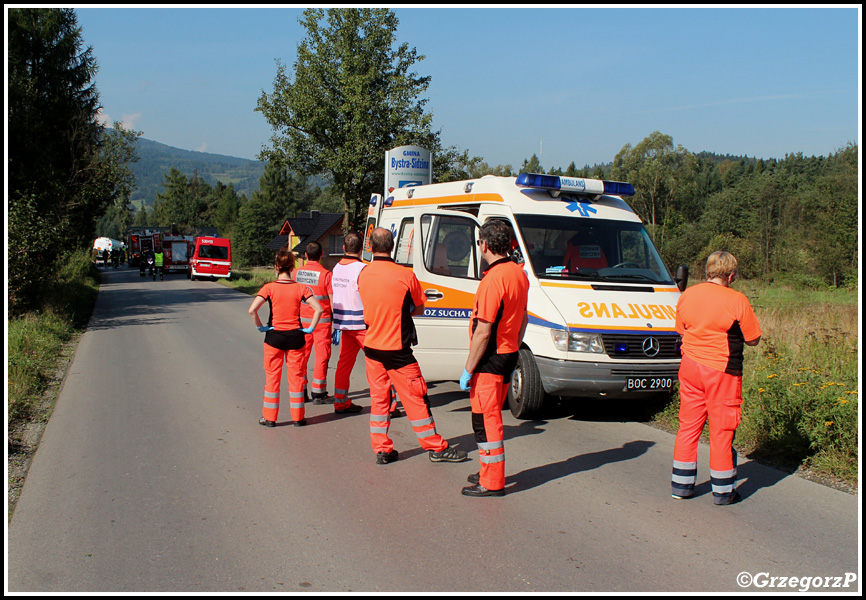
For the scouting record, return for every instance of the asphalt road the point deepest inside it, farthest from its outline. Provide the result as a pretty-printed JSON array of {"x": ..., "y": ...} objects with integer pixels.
[{"x": 153, "y": 475}]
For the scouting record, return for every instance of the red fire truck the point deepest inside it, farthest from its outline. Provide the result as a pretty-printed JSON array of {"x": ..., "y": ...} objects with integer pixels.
[
  {"x": 176, "y": 249},
  {"x": 212, "y": 258}
]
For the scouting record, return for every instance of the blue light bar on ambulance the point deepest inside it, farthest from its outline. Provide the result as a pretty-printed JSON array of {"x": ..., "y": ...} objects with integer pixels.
[{"x": 578, "y": 185}]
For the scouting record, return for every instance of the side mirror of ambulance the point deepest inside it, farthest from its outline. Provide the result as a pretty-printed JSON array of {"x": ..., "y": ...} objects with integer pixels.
[{"x": 682, "y": 277}]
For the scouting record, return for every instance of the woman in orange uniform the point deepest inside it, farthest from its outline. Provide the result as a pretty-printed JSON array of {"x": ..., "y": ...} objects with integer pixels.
[
  {"x": 716, "y": 322},
  {"x": 284, "y": 337}
]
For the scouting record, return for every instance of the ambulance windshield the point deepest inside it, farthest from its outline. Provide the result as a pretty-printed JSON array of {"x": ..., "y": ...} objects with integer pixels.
[{"x": 601, "y": 250}]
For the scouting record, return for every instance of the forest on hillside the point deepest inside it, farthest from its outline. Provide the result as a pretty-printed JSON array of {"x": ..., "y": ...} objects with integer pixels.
[{"x": 156, "y": 159}]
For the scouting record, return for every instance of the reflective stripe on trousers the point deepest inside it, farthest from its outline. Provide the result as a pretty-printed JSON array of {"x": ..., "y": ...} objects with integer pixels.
[
  {"x": 706, "y": 393},
  {"x": 274, "y": 359},
  {"x": 412, "y": 388},
  {"x": 487, "y": 397}
]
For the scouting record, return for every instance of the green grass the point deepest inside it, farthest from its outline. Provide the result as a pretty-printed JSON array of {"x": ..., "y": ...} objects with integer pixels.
[
  {"x": 35, "y": 339},
  {"x": 801, "y": 383},
  {"x": 249, "y": 280}
]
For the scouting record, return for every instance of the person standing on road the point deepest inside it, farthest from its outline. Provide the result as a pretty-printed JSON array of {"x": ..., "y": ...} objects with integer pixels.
[
  {"x": 318, "y": 279},
  {"x": 497, "y": 326},
  {"x": 349, "y": 326},
  {"x": 158, "y": 258},
  {"x": 715, "y": 322},
  {"x": 284, "y": 337},
  {"x": 391, "y": 295}
]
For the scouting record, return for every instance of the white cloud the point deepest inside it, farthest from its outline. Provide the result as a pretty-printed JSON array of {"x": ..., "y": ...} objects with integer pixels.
[
  {"x": 128, "y": 122},
  {"x": 202, "y": 148},
  {"x": 131, "y": 121},
  {"x": 102, "y": 118}
]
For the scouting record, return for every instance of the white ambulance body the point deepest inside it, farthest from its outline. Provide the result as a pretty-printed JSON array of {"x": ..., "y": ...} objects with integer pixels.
[{"x": 601, "y": 301}]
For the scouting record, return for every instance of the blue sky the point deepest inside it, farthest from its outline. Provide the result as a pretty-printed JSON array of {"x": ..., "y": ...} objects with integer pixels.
[{"x": 567, "y": 84}]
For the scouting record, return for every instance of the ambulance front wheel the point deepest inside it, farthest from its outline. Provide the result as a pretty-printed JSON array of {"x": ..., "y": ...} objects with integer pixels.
[{"x": 526, "y": 393}]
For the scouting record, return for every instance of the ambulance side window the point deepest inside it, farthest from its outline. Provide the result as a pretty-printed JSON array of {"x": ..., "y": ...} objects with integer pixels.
[
  {"x": 449, "y": 246},
  {"x": 514, "y": 254},
  {"x": 405, "y": 243}
]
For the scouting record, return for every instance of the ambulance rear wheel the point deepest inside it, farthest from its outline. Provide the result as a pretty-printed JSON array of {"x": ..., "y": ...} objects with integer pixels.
[{"x": 525, "y": 394}]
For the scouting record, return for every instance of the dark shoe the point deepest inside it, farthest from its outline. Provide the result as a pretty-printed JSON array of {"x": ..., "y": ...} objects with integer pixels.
[
  {"x": 383, "y": 458},
  {"x": 479, "y": 491},
  {"x": 679, "y": 497},
  {"x": 300, "y": 423},
  {"x": 319, "y": 399},
  {"x": 449, "y": 454},
  {"x": 474, "y": 478},
  {"x": 732, "y": 499},
  {"x": 266, "y": 423},
  {"x": 352, "y": 408}
]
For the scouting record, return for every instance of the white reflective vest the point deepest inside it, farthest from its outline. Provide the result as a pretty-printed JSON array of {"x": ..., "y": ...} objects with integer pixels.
[{"x": 348, "y": 308}]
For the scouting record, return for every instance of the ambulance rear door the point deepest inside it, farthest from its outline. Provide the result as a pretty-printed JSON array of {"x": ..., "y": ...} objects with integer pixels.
[{"x": 446, "y": 261}]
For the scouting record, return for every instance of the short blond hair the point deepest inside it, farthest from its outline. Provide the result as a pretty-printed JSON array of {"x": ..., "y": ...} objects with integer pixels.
[{"x": 721, "y": 264}]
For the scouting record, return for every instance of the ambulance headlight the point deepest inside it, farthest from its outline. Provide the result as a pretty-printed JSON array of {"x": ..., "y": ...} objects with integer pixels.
[{"x": 577, "y": 342}]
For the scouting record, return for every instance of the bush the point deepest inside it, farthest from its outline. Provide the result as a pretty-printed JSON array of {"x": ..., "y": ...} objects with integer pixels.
[{"x": 800, "y": 280}]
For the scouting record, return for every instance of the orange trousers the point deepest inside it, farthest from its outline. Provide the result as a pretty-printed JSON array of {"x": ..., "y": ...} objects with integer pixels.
[
  {"x": 706, "y": 393},
  {"x": 410, "y": 385},
  {"x": 486, "y": 398},
  {"x": 274, "y": 359},
  {"x": 351, "y": 342},
  {"x": 321, "y": 339}
]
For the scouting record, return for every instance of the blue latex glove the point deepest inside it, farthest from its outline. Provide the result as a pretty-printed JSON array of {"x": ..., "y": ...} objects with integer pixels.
[
  {"x": 307, "y": 330},
  {"x": 464, "y": 380},
  {"x": 335, "y": 337},
  {"x": 264, "y": 328}
]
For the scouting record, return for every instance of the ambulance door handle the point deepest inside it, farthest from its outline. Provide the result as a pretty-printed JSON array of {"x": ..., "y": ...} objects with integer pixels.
[{"x": 434, "y": 295}]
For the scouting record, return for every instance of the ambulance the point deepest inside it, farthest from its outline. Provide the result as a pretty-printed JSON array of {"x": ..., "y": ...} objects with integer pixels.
[{"x": 602, "y": 304}]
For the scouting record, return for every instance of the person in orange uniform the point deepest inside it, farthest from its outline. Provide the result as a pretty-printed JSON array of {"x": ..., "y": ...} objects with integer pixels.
[
  {"x": 348, "y": 319},
  {"x": 318, "y": 279},
  {"x": 391, "y": 295},
  {"x": 284, "y": 337},
  {"x": 715, "y": 323},
  {"x": 497, "y": 326}
]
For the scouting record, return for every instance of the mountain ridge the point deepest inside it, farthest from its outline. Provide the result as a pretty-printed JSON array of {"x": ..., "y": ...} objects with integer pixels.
[{"x": 156, "y": 159}]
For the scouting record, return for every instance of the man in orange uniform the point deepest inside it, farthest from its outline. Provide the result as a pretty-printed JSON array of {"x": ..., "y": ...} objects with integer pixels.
[
  {"x": 318, "y": 279},
  {"x": 715, "y": 322},
  {"x": 496, "y": 329},
  {"x": 391, "y": 295}
]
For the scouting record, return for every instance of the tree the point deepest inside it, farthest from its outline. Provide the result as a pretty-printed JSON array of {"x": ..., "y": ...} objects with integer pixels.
[
  {"x": 658, "y": 170},
  {"x": 281, "y": 194},
  {"x": 353, "y": 96},
  {"x": 533, "y": 165},
  {"x": 64, "y": 167},
  {"x": 184, "y": 203},
  {"x": 226, "y": 208}
]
